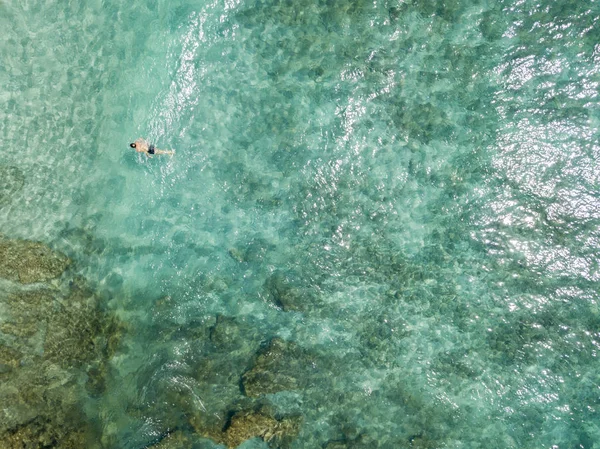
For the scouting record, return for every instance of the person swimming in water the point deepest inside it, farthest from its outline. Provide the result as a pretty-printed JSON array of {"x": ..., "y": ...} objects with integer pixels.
[{"x": 142, "y": 146}]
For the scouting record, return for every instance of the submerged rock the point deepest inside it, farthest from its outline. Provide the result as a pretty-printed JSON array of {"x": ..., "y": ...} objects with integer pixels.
[
  {"x": 231, "y": 343},
  {"x": 76, "y": 326},
  {"x": 66, "y": 330},
  {"x": 362, "y": 441},
  {"x": 175, "y": 440},
  {"x": 28, "y": 262},
  {"x": 278, "y": 366},
  {"x": 40, "y": 408},
  {"x": 286, "y": 290},
  {"x": 96, "y": 380},
  {"x": 25, "y": 316},
  {"x": 53, "y": 344},
  {"x": 421, "y": 441},
  {"x": 9, "y": 360},
  {"x": 246, "y": 420},
  {"x": 277, "y": 433},
  {"x": 42, "y": 433},
  {"x": 11, "y": 181},
  {"x": 252, "y": 251},
  {"x": 225, "y": 333}
]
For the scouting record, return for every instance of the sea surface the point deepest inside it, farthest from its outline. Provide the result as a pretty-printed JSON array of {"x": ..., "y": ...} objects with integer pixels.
[{"x": 405, "y": 194}]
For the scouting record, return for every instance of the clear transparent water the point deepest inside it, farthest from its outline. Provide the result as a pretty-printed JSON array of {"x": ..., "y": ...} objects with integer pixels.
[{"x": 425, "y": 172}]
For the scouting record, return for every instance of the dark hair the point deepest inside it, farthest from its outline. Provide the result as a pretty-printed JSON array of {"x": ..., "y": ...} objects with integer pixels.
[{"x": 132, "y": 145}]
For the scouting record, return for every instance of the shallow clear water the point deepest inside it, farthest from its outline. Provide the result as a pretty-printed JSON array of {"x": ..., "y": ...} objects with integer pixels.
[{"x": 424, "y": 174}]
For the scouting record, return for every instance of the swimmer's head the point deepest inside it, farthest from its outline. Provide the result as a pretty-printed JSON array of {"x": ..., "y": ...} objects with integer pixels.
[{"x": 132, "y": 145}]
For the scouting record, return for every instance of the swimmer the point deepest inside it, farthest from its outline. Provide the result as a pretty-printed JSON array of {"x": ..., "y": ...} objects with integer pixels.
[{"x": 142, "y": 146}]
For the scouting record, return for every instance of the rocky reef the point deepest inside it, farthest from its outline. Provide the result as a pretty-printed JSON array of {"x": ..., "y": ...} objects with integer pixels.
[
  {"x": 287, "y": 290},
  {"x": 234, "y": 374},
  {"x": 29, "y": 262},
  {"x": 278, "y": 432},
  {"x": 55, "y": 340},
  {"x": 175, "y": 440},
  {"x": 278, "y": 366},
  {"x": 247, "y": 419}
]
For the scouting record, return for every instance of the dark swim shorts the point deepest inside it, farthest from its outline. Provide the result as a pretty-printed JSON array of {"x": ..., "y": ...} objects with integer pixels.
[{"x": 151, "y": 149}]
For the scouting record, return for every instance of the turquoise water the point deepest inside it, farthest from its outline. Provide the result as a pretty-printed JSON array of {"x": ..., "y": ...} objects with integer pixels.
[{"x": 419, "y": 178}]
